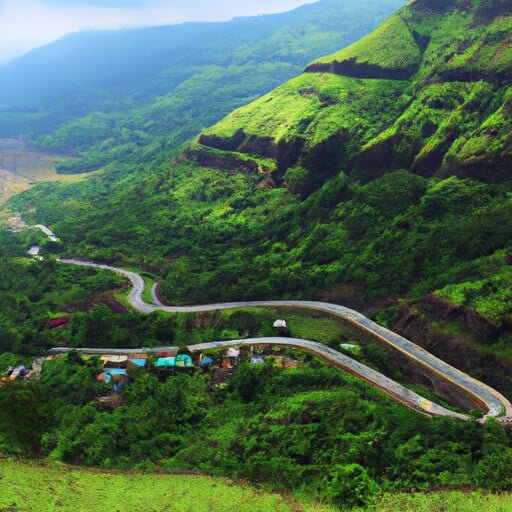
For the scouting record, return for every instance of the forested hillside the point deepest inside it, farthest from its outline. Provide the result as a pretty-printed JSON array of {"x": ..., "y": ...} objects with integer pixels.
[
  {"x": 106, "y": 95},
  {"x": 379, "y": 173},
  {"x": 378, "y": 178}
]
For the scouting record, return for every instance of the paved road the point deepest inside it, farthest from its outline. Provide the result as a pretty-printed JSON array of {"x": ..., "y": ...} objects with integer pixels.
[
  {"x": 47, "y": 231},
  {"x": 491, "y": 400},
  {"x": 376, "y": 379},
  {"x": 154, "y": 295}
]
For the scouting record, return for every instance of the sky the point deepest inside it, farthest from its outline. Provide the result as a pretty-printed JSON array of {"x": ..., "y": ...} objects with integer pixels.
[{"x": 26, "y": 24}]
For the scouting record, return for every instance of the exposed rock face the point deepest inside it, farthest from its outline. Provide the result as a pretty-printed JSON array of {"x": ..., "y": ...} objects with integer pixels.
[
  {"x": 260, "y": 146},
  {"x": 438, "y": 307},
  {"x": 223, "y": 143},
  {"x": 395, "y": 152},
  {"x": 288, "y": 153},
  {"x": 434, "y": 5},
  {"x": 414, "y": 320},
  {"x": 225, "y": 162},
  {"x": 355, "y": 69},
  {"x": 325, "y": 159},
  {"x": 452, "y": 122}
]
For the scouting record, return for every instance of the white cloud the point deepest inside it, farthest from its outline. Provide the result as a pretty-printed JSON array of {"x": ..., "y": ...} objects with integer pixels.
[{"x": 25, "y": 24}]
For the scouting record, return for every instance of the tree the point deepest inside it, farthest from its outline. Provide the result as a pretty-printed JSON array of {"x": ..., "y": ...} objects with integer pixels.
[{"x": 350, "y": 486}]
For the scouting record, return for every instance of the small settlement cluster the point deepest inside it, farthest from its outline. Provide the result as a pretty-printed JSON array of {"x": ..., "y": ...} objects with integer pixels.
[
  {"x": 21, "y": 372},
  {"x": 118, "y": 364}
]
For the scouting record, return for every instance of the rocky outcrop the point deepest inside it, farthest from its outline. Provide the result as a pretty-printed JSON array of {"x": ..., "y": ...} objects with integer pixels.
[
  {"x": 394, "y": 152},
  {"x": 417, "y": 321},
  {"x": 288, "y": 153},
  {"x": 326, "y": 158},
  {"x": 223, "y": 161},
  {"x": 490, "y": 165},
  {"x": 241, "y": 142},
  {"x": 260, "y": 146},
  {"x": 223, "y": 143},
  {"x": 354, "y": 69}
]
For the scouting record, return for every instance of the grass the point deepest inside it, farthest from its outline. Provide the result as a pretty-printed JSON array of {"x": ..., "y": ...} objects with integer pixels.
[
  {"x": 315, "y": 107},
  {"x": 442, "y": 501},
  {"x": 26, "y": 487},
  {"x": 148, "y": 285},
  {"x": 391, "y": 46},
  {"x": 320, "y": 328},
  {"x": 491, "y": 295},
  {"x": 10, "y": 185},
  {"x": 149, "y": 281}
]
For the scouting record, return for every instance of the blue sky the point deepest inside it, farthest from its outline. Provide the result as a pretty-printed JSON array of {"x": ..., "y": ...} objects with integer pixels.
[{"x": 25, "y": 24}]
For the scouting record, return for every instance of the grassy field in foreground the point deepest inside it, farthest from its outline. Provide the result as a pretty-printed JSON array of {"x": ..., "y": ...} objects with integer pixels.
[
  {"x": 442, "y": 501},
  {"x": 48, "y": 488},
  {"x": 26, "y": 488}
]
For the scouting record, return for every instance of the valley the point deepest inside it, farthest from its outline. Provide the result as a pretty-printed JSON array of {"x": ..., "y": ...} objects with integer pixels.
[
  {"x": 21, "y": 167},
  {"x": 495, "y": 403},
  {"x": 343, "y": 167}
]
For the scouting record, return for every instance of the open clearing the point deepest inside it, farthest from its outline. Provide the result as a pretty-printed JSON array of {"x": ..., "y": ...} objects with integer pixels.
[
  {"x": 20, "y": 167},
  {"x": 28, "y": 487},
  {"x": 33, "y": 488},
  {"x": 443, "y": 501},
  {"x": 10, "y": 184}
]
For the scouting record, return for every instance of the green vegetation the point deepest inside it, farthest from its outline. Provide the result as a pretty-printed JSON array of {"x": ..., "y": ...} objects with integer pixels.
[
  {"x": 443, "y": 500},
  {"x": 314, "y": 430},
  {"x": 29, "y": 487},
  {"x": 391, "y": 48},
  {"x": 314, "y": 107},
  {"x": 31, "y": 292},
  {"x": 345, "y": 189},
  {"x": 490, "y": 296},
  {"x": 380, "y": 191},
  {"x": 316, "y": 327},
  {"x": 174, "y": 80},
  {"x": 26, "y": 488}
]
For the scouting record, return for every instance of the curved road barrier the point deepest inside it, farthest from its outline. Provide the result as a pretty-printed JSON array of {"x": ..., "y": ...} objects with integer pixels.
[
  {"x": 493, "y": 402},
  {"x": 376, "y": 379}
]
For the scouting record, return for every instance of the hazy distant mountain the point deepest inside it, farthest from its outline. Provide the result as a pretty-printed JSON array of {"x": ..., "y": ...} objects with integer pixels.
[{"x": 105, "y": 66}]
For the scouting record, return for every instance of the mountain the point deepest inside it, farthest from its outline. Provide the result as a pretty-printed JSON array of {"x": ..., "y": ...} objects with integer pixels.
[
  {"x": 131, "y": 86},
  {"x": 377, "y": 179},
  {"x": 380, "y": 178},
  {"x": 418, "y": 76}
]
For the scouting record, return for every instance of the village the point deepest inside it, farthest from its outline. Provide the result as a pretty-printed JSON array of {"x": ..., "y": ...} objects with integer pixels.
[{"x": 120, "y": 365}]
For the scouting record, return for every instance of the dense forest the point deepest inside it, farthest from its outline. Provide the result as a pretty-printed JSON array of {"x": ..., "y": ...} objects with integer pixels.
[
  {"x": 157, "y": 87},
  {"x": 361, "y": 185},
  {"x": 315, "y": 430},
  {"x": 379, "y": 178}
]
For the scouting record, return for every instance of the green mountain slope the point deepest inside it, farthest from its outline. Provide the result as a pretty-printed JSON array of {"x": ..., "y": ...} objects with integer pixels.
[
  {"x": 160, "y": 86},
  {"x": 388, "y": 52},
  {"x": 363, "y": 190},
  {"x": 452, "y": 114}
]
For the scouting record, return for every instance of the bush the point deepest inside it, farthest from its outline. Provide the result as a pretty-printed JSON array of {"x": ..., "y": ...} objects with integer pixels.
[{"x": 350, "y": 486}]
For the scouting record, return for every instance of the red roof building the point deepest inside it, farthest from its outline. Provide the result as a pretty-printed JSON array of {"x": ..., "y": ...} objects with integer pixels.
[{"x": 58, "y": 322}]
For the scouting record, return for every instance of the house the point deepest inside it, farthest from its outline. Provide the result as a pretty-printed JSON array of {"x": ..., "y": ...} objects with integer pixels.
[
  {"x": 118, "y": 377},
  {"x": 114, "y": 361},
  {"x": 184, "y": 361},
  {"x": 61, "y": 321},
  {"x": 280, "y": 324},
  {"x": 206, "y": 362},
  {"x": 138, "y": 362}
]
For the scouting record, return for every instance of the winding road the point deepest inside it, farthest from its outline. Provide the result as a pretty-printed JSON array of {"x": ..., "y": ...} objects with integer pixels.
[{"x": 490, "y": 400}]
